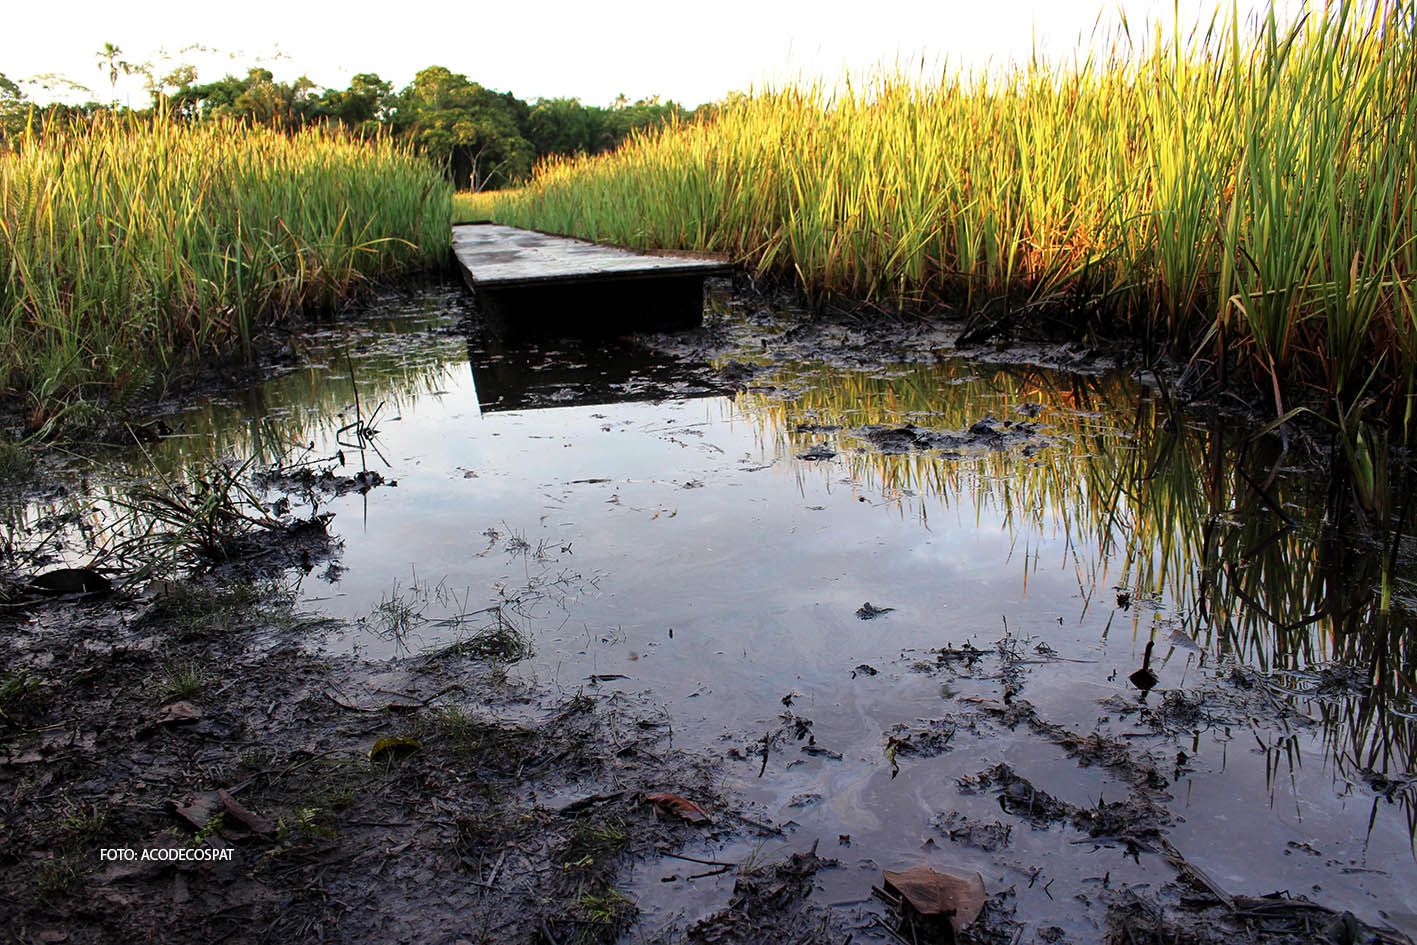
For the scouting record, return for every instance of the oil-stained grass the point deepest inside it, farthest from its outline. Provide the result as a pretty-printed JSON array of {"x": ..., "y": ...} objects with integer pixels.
[
  {"x": 1246, "y": 188},
  {"x": 128, "y": 244}
]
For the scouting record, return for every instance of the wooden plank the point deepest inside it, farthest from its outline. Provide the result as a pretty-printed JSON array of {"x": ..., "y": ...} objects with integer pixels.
[
  {"x": 531, "y": 285},
  {"x": 496, "y": 256}
]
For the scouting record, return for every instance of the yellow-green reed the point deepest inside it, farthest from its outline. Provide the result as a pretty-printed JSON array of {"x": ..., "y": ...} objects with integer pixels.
[
  {"x": 1246, "y": 186},
  {"x": 130, "y": 243}
]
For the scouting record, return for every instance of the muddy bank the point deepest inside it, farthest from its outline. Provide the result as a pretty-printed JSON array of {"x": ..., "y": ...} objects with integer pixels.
[
  {"x": 176, "y": 770},
  {"x": 260, "y": 791}
]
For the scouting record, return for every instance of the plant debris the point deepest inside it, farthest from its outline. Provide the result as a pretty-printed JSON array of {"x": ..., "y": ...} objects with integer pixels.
[
  {"x": 679, "y": 806},
  {"x": 931, "y": 893}
]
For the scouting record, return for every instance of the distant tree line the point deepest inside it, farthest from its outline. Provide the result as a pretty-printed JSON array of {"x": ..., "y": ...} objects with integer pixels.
[{"x": 484, "y": 139}]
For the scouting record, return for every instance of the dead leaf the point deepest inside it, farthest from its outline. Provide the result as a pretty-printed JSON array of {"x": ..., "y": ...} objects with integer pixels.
[
  {"x": 392, "y": 749},
  {"x": 23, "y": 758},
  {"x": 178, "y": 713},
  {"x": 942, "y": 894},
  {"x": 675, "y": 804},
  {"x": 252, "y": 821},
  {"x": 197, "y": 809}
]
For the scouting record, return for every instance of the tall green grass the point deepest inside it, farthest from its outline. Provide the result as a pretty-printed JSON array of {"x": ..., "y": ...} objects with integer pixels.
[
  {"x": 128, "y": 244},
  {"x": 1246, "y": 188}
]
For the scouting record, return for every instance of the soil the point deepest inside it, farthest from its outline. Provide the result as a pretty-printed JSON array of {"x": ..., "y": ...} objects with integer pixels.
[
  {"x": 503, "y": 815},
  {"x": 176, "y": 766}
]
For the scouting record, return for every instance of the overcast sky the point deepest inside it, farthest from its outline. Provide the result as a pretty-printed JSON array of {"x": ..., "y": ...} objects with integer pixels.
[{"x": 691, "y": 53}]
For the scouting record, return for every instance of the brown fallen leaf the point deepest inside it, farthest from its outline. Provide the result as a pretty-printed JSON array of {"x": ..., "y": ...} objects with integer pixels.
[
  {"x": 178, "y": 713},
  {"x": 675, "y": 804},
  {"x": 943, "y": 894},
  {"x": 196, "y": 809},
  {"x": 252, "y": 821}
]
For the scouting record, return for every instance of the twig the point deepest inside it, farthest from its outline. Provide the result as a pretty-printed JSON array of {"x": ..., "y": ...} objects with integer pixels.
[
  {"x": 496, "y": 869},
  {"x": 694, "y": 859},
  {"x": 713, "y": 872}
]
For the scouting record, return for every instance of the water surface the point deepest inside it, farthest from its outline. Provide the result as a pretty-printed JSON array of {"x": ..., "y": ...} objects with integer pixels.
[{"x": 655, "y": 533}]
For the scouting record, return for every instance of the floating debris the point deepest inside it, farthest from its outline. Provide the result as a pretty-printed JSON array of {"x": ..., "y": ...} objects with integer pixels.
[
  {"x": 820, "y": 451},
  {"x": 680, "y": 806},
  {"x": 933, "y": 894}
]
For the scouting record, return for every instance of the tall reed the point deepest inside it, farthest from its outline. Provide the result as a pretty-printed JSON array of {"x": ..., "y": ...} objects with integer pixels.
[
  {"x": 1248, "y": 187},
  {"x": 128, "y": 243}
]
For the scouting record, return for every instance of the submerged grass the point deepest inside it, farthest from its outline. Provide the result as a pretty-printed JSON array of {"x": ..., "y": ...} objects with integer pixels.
[
  {"x": 129, "y": 244},
  {"x": 1246, "y": 189}
]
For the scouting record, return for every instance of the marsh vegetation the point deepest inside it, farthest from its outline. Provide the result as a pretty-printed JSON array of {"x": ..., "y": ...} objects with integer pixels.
[
  {"x": 131, "y": 244},
  {"x": 453, "y": 622},
  {"x": 1243, "y": 193}
]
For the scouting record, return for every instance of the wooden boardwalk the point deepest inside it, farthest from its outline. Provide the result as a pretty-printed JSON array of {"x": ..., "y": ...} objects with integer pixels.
[{"x": 531, "y": 285}]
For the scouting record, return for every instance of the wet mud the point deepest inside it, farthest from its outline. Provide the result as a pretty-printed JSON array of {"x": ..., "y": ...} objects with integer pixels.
[{"x": 688, "y": 638}]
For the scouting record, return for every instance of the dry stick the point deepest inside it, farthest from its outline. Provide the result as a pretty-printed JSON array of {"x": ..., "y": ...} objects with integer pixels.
[
  {"x": 694, "y": 859},
  {"x": 496, "y": 869},
  {"x": 713, "y": 872}
]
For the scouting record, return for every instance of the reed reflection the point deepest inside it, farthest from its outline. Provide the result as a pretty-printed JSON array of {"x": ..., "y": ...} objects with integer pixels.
[{"x": 1227, "y": 549}]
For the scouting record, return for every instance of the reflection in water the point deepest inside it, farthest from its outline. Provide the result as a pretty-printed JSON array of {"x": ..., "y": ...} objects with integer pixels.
[
  {"x": 1219, "y": 544},
  {"x": 534, "y": 375},
  {"x": 290, "y": 419},
  {"x": 1223, "y": 556},
  {"x": 288, "y": 413}
]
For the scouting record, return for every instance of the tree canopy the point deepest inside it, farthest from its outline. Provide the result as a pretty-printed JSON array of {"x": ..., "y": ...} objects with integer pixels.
[{"x": 483, "y": 138}]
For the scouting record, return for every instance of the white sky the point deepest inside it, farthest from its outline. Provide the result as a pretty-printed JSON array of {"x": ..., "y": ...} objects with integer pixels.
[{"x": 690, "y": 53}]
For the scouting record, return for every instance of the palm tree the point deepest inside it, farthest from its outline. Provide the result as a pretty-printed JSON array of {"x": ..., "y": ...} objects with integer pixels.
[{"x": 108, "y": 58}]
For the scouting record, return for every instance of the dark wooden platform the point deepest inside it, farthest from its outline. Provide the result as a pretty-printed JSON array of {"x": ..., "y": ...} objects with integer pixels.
[{"x": 531, "y": 285}]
